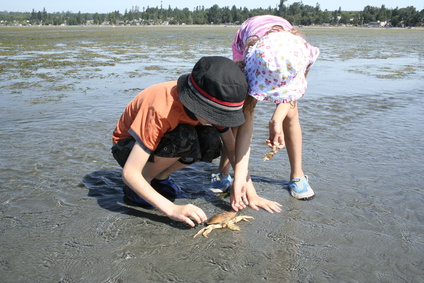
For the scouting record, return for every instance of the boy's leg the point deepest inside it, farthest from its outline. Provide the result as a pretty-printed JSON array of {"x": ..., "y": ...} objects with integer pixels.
[
  {"x": 122, "y": 149},
  {"x": 211, "y": 148},
  {"x": 224, "y": 164},
  {"x": 210, "y": 143},
  {"x": 156, "y": 169},
  {"x": 221, "y": 180},
  {"x": 190, "y": 144},
  {"x": 160, "y": 179},
  {"x": 174, "y": 149}
]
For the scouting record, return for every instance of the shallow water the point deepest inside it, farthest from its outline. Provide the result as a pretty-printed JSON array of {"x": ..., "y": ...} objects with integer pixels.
[{"x": 62, "y": 219}]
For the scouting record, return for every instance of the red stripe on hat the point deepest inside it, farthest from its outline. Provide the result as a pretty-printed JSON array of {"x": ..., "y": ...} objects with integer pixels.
[{"x": 233, "y": 104}]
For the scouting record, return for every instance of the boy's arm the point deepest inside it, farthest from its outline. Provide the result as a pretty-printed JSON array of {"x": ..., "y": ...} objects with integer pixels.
[{"x": 131, "y": 174}]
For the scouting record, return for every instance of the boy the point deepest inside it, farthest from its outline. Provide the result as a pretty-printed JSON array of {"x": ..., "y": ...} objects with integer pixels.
[{"x": 166, "y": 127}]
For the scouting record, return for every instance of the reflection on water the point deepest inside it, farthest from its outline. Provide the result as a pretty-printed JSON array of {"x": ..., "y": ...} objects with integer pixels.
[{"x": 61, "y": 215}]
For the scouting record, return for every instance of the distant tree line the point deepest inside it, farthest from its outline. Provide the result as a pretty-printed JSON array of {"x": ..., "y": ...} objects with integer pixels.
[{"x": 297, "y": 13}]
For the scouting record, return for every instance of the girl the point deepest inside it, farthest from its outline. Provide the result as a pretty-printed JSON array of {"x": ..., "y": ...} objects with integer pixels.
[{"x": 277, "y": 61}]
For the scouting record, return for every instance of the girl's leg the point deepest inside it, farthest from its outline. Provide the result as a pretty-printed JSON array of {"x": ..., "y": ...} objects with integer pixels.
[
  {"x": 298, "y": 185},
  {"x": 293, "y": 139}
]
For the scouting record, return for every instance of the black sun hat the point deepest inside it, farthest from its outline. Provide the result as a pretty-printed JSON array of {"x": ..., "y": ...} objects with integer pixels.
[{"x": 215, "y": 90}]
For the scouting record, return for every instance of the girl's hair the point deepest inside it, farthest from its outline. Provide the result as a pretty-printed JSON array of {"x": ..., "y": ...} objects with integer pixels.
[{"x": 250, "y": 102}]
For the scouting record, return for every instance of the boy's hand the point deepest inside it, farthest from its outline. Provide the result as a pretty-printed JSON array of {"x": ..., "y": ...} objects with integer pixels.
[
  {"x": 238, "y": 198},
  {"x": 187, "y": 214}
]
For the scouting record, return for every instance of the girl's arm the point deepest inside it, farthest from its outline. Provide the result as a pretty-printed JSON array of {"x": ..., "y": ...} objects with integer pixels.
[
  {"x": 239, "y": 198},
  {"x": 230, "y": 150},
  {"x": 238, "y": 152},
  {"x": 276, "y": 134}
]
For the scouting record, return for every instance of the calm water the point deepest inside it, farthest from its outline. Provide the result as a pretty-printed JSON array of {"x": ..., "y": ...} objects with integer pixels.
[{"x": 63, "y": 89}]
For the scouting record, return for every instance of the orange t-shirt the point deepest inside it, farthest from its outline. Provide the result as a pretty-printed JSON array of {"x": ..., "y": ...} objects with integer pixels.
[{"x": 152, "y": 113}]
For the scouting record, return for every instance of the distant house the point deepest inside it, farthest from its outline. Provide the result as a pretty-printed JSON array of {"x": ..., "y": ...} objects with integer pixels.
[{"x": 376, "y": 24}]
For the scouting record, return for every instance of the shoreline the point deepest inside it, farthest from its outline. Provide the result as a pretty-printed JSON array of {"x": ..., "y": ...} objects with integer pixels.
[{"x": 206, "y": 26}]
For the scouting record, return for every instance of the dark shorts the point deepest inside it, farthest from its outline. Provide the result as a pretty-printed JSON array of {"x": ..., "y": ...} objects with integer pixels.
[{"x": 190, "y": 143}]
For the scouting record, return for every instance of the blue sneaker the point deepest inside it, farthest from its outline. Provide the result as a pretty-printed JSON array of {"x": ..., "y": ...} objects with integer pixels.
[
  {"x": 132, "y": 198},
  {"x": 300, "y": 189},
  {"x": 220, "y": 183},
  {"x": 167, "y": 188}
]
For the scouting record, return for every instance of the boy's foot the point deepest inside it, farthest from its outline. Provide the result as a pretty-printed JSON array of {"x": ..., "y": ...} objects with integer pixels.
[
  {"x": 220, "y": 183},
  {"x": 300, "y": 189},
  {"x": 131, "y": 197},
  {"x": 167, "y": 188}
]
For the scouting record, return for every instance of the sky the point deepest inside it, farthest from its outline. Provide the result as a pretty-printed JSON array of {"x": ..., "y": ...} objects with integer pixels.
[{"x": 106, "y": 6}]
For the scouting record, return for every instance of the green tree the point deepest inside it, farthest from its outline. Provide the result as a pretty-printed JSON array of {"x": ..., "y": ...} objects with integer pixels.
[
  {"x": 297, "y": 13},
  {"x": 44, "y": 16},
  {"x": 410, "y": 16},
  {"x": 370, "y": 14},
  {"x": 199, "y": 16},
  {"x": 235, "y": 14},
  {"x": 345, "y": 18},
  {"x": 214, "y": 15},
  {"x": 382, "y": 14},
  {"x": 282, "y": 9},
  {"x": 226, "y": 15},
  {"x": 112, "y": 18}
]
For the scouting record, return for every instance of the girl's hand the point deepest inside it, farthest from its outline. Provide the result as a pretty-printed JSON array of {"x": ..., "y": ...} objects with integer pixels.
[
  {"x": 257, "y": 202},
  {"x": 187, "y": 214},
  {"x": 276, "y": 134}
]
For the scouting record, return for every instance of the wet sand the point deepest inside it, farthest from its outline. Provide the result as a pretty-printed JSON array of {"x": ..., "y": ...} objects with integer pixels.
[{"x": 62, "y": 218}]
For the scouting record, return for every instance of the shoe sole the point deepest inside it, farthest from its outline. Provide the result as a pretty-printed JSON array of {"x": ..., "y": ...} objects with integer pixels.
[
  {"x": 219, "y": 191},
  {"x": 303, "y": 196},
  {"x": 307, "y": 198}
]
